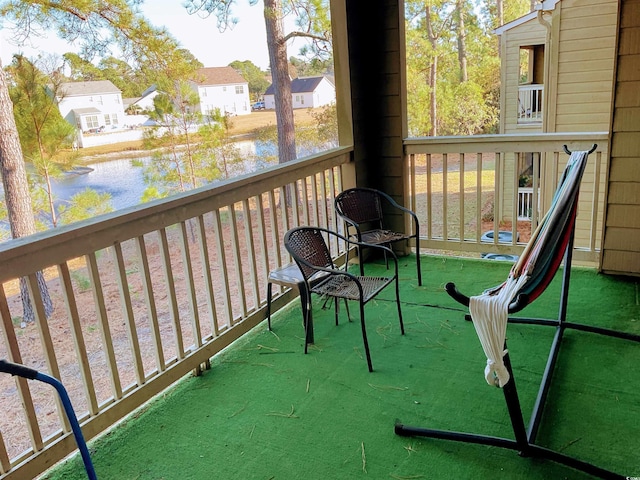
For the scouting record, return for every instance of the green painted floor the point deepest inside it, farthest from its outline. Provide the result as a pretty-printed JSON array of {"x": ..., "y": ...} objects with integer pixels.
[{"x": 267, "y": 411}]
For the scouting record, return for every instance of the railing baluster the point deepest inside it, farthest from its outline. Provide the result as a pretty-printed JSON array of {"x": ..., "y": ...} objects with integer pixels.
[
  {"x": 13, "y": 349},
  {"x": 129, "y": 318},
  {"x": 152, "y": 313},
  {"x": 47, "y": 342},
  {"x": 264, "y": 246},
  {"x": 251, "y": 253},
  {"x": 222, "y": 266},
  {"x": 5, "y": 463},
  {"x": 206, "y": 273},
  {"x": 461, "y": 187},
  {"x": 103, "y": 321},
  {"x": 237, "y": 260},
  {"x": 174, "y": 308},
  {"x": 78, "y": 337},
  {"x": 478, "y": 196},
  {"x": 188, "y": 277}
]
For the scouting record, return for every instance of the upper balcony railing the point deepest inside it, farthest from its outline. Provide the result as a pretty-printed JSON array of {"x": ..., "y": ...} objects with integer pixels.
[
  {"x": 150, "y": 293},
  {"x": 530, "y": 103}
]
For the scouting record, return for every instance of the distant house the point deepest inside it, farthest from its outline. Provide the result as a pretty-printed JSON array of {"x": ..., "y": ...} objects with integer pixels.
[
  {"x": 306, "y": 92},
  {"x": 144, "y": 102},
  {"x": 222, "y": 88},
  {"x": 91, "y": 106}
]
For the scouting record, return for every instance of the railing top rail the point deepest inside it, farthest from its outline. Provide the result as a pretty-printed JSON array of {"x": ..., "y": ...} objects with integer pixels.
[
  {"x": 57, "y": 245},
  {"x": 548, "y": 142}
]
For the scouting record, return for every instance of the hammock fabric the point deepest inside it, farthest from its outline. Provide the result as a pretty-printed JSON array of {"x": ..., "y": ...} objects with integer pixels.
[
  {"x": 532, "y": 272},
  {"x": 528, "y": 278}
]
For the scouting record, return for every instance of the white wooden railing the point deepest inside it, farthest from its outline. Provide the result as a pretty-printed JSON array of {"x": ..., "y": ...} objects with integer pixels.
[
  {"x": 144, "y": 296},
  {"x": 525, "y": 203},
  {"x": 462, "y": 187},
  {"x": 530, "y": 103}
]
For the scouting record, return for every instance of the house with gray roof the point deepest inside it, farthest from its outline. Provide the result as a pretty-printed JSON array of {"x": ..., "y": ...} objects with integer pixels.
[
  {"x": 306, "y": 92},
  {"x": 222, "y": 88},
  {"x": 91, "y": 106}
]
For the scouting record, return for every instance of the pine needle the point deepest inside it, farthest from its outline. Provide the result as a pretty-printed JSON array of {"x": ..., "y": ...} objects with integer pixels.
[
  {"x": 239, "y": 411},
  {"x": 286, "y": 415},
  {"x": 387, "y": 387},
  {"x": 308, "y": 383},
  {"x": 364, "y": 458}
]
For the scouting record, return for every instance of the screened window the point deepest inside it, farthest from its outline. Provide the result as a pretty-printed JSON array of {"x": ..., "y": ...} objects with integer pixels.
[{"x": 92, "y": 121}]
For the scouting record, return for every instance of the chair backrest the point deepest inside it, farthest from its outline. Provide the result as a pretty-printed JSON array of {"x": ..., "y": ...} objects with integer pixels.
[
  {"x": 309, "y": 249},
  {"x": 361, "y": 205}
]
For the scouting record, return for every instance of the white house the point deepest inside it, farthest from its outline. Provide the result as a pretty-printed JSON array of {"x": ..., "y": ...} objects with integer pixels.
[
  {"x": 145, "y": 102},
  {"x": 306, "y": 92},
  {"x": 91, "y": 106},
  {"x": 222, "y": 88}
]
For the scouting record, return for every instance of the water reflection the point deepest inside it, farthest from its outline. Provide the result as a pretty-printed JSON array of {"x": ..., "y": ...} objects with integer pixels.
[{"x": 125, "y": 182}]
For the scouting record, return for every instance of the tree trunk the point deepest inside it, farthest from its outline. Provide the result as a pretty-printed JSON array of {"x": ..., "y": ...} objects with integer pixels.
[
  {"x": 462, "y": 41},
  {"x": 16, "y": 191},
  {"x": 281, "y": 81},
  {"x": 433, "y": 74}
]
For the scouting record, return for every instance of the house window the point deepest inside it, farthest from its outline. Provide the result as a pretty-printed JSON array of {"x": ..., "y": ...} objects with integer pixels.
[
  {"x": 92, "y": 121},
  {"x": 107, "y": 120},
  {"x": 224, "y": 89},
  {"x": 99, "y": 101},
  {"x": 239, "y": 89},
  {"x": 204, "y": 92},
  {"x": 114, "y": 119}
]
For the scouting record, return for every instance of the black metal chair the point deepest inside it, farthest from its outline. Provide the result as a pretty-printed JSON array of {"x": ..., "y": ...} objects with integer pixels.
[
  {"x": 362, "y": 211},
  {"x": 308, "y": 247}
]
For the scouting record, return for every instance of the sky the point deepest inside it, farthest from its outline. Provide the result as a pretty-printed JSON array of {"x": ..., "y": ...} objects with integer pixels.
[{"x": 246, "y": 41}]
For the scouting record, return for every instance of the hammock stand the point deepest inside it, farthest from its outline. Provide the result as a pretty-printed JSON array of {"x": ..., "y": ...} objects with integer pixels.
[{"x": 525, "y": 437}]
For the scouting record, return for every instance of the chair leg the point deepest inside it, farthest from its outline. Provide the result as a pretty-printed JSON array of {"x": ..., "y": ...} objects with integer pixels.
[
  {"x": 418, "y": 266},
  {"x": 399, "y": 309},
  {"x": 336, "y": 307},
  {"x": 269, "y": 285},
  {"x": 307, "y": 321},
  {"x": 364, "y": 338}
]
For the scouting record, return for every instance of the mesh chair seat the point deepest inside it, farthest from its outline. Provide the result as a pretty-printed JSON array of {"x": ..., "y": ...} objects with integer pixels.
[
  {"x": 380, "y": 237},
  {"x": 345, "y": 287}
]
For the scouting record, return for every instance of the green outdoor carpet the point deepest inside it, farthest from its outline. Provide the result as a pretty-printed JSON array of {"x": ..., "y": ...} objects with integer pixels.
[{"x": 267, "y": 411}]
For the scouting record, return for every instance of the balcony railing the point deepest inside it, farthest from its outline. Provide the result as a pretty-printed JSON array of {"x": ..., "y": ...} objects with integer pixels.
[
  {"x": 525, "y": 203},
  {"x": 530, "y": 103},
  {"x": 146, "y": 295},
  {"x": 151, "y": 293},
  {"x": 463, "y": 187}
]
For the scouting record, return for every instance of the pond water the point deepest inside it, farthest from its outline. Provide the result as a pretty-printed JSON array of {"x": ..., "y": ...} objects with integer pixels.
[
  {"x": 117, "y": 177},
  {"x": 125, "y": 182}
]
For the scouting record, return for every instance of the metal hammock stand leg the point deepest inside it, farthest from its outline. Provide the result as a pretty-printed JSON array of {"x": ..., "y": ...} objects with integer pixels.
[{"x": 525, "y": 437}]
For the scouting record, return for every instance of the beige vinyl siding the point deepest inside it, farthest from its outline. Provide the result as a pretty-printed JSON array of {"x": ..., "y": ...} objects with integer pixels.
[
  {"x": 621, "y": 248},
  {"x": 586, "y": 46}
]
